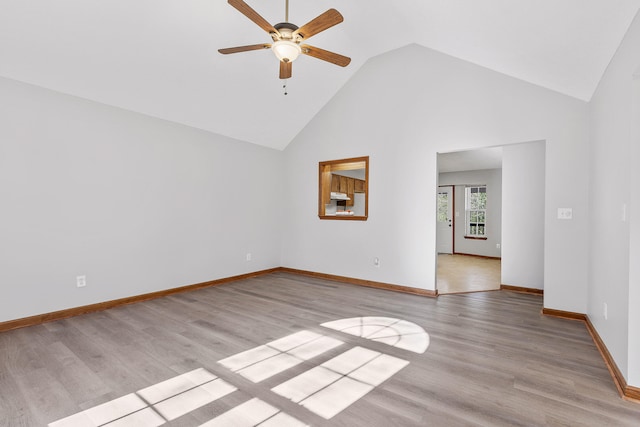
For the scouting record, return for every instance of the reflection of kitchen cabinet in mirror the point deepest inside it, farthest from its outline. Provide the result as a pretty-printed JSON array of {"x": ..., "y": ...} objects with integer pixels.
[{"x": 344, "y": 189}]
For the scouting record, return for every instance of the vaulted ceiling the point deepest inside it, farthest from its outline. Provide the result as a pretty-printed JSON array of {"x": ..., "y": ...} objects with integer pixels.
[{"x": 159, "y": 57}]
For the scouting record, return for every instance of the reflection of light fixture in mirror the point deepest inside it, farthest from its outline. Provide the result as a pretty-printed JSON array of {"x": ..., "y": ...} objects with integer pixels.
[{"x": 286, "y": 51}]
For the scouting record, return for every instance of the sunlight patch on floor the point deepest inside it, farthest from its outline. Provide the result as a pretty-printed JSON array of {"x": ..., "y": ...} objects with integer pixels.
[
  {"x": 254, "y": 412},
  {"x": 325, "y": 390},
  {"x": 155, "y": 405},
  {"x": 277, "y": 356},
  {"x": 333, "y": 386},
  {"x": 387, "y": 330}
]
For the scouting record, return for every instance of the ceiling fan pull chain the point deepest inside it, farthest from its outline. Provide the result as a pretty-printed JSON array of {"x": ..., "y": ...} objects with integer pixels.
[{"x": 284, "y": 86}]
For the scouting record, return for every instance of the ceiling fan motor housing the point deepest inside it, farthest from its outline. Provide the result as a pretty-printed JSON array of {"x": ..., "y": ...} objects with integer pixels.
[{"x": 285, "y": 26}]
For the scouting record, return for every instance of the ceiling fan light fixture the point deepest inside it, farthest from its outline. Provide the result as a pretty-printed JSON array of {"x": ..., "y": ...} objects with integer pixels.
[
  {"x": 285, "y": 50},
  {"x": 289, "y": 40}
]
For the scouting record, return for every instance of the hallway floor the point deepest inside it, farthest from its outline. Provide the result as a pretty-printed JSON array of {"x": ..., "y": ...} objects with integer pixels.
[{"x": 464, "y": 273}]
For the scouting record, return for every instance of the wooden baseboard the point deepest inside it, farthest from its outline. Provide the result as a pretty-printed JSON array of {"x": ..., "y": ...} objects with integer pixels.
[
  {"x": 632, "y": 393},
  {"x": 478, "y": 256},
  {"x": 521, "y": 289},
  {"x": 564, "y": 314},
  {"x": 76, "y": 311},
  {"x": 626, "y": 391},
  {"x": 362, "y": 282}
]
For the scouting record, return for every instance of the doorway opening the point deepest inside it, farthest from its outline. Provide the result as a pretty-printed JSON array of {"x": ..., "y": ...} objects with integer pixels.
[
  {"x": 497, "y": 213},
  {"x": 469, "y": 220}
]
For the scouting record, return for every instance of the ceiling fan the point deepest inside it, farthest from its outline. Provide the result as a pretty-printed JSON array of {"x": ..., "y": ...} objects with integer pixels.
[{"x": 288, "y": 38}]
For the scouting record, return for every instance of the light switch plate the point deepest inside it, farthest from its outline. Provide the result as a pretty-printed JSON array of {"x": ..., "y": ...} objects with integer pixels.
[{"x": 565, "y": 213}]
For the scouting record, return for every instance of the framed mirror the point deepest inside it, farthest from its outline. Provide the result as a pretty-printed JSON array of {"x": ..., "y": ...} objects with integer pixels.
[{"x": 344, "y": 189}]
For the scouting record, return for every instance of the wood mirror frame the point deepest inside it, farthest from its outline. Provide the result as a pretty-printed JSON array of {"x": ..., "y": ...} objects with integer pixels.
[{"x": 334, "y": 177}]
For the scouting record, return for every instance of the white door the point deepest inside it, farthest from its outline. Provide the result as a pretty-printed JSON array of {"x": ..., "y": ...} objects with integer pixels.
[{"x": 444, "y": 233}]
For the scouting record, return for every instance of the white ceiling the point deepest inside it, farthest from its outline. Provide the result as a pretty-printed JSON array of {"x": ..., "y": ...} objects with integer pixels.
[
  {"x": 159, "y": 57},
  {"x": 483, "y": 158}
]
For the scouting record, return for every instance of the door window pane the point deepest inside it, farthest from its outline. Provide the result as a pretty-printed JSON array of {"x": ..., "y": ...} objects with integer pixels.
[{"x": 443, "y": 204}]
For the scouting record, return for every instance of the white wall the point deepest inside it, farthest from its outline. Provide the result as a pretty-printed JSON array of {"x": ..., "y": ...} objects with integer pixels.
[
  {"x": 523, "y": 215},
  {"x": 492, "y": 178},
  {"x": 134, "y": 203},
  {"x": 613, "y": 183},
  {"x": 634, "y": 244},
  {"x": 401, "y": 117}
]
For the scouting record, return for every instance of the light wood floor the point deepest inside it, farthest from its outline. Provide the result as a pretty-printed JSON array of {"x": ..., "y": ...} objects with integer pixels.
[
  {"x": 493, "y": 359},
  {"x": 464, "y": 273}
]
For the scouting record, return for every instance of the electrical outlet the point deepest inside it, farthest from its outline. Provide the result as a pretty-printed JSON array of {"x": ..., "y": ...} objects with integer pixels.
[
  {"x": 81, "y": 281},
  {"x": 565, "y": 213},
  {"x": 605, "y": 311},
  {"x": 248, "y": 257},
  {"x": 497, "y": 245},
  {"x": 376, "y": 262}
]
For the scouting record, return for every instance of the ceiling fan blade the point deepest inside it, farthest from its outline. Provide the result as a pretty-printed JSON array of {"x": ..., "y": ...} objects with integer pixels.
[
  {"x": 244, "y": 48},
  {"x": 325, "y": 55},
  {"x": 326, "y": 20},
  {"x": 247, "y": 11},
  {"x": 285, "y": 70}
]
